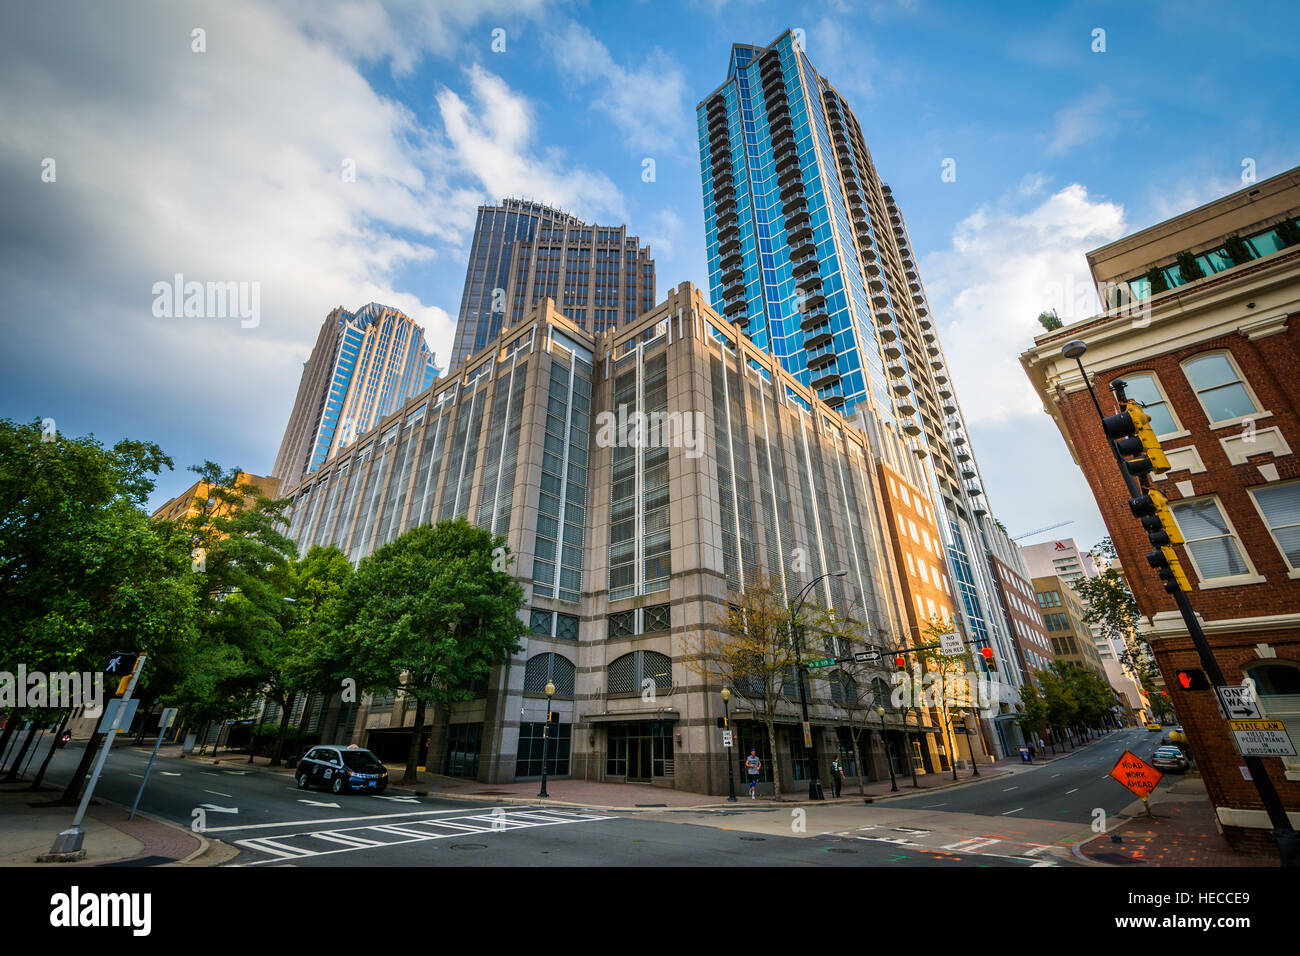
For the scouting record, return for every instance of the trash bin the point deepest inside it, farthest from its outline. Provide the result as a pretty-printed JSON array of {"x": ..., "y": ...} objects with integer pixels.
[{"x": 1024, "y": 755}]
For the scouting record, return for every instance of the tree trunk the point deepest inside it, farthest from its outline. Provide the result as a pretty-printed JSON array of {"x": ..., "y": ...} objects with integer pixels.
[
  {"x": 17, "y": 765},
  {"x": 285, "y": 711},
  {"x": 40, "y": 774},
  {"x": 776, "y": 767},
  {"x": 413, "y": 751},
  {"x": 72, "y": 792},
  {"x": 857, "y": 760},
  {"x": 11, "y": 724}
]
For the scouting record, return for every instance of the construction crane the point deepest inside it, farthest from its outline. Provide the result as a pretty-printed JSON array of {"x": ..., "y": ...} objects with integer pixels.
[{"x": 1050, "y": 527}]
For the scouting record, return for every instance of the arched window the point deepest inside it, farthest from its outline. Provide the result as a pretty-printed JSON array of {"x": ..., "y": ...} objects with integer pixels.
[
  {"x": 628, "y": 674},
  {"x": 844, "y": 689},
  {"x": 1277, "y": 689},
  {"x": 1219, "y": 385},
  {"x": 549, "y": 667}
]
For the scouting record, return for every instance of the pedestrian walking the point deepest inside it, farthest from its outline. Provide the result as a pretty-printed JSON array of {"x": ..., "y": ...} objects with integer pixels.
[
  {"x": 752, "y": 766},
  {"x": 837, "y": 775}
]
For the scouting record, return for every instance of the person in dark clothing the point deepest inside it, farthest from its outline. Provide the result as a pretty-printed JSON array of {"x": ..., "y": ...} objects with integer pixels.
[{"x": 837, "y": 775}]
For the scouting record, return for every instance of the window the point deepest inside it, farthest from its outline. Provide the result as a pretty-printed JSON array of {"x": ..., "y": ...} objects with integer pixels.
[
  {"x": 844, "y": 689},
  {"x": 548, "y": 667},
  {"x": 1219, "y": 386},
  {"x": 628, "y": 674},
  {"x": 1210, "y": 540},
  {"x": 1277, "y": 689},
  {"x": 1143, "y": 388},
  {"x": 528, "y": 760},
  {"x": 1280, "y": 507},
  {"x": 622, "y": 624}
]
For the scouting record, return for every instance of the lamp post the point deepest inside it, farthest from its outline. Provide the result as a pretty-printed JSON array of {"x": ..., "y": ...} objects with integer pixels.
[
  {"x": 814, "y": 780},
  {"x": 726, "y": 724},
  {"x": 1288, "y": 841},
  {"x": 546, "y": 735},
  {"x": 893, "y": 782}
]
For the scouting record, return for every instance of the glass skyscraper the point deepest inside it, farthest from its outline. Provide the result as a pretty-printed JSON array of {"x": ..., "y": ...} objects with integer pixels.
[
  {"x": 809, "y": 254},
  {"x": 365, "y": 364},
  {"x": 523, "y": 252}
]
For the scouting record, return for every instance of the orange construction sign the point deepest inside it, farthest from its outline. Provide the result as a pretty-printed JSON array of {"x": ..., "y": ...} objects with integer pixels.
[{"x": 1136, "y": 774}]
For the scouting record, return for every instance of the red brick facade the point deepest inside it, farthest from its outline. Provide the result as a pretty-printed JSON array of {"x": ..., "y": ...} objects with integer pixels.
[{"x": 1270, "y": 364}]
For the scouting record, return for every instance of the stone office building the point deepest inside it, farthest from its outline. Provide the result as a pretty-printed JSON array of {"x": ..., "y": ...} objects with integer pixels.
[{"x": 630, "y": 550}]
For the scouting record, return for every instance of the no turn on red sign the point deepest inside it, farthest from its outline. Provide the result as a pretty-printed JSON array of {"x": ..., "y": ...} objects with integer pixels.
[{"x": 1136, "y": 774}]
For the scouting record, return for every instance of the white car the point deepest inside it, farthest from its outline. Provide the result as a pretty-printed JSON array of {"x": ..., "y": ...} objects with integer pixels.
[{"x": 341, "y": 769}]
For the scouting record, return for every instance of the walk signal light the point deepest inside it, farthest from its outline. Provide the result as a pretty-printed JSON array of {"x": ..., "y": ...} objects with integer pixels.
[
  {"x": 1133, "y": 436},
  {"x": 1170, "y": 569},
  {"x": 1193, "y": 679}
]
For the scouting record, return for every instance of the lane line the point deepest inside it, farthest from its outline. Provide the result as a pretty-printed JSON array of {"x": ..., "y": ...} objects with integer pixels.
[
  {"x": 1016, "y": 810},
  {"x": 1068, "y": 792}
]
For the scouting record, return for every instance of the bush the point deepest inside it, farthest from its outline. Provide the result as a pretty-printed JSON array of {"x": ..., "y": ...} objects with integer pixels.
[{"x": 1188, "y": 268}]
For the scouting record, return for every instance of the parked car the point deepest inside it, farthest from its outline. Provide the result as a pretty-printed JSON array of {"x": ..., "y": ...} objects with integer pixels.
[
  {"x": 1153, "y": 727},
  {"x": 341, "y": 769},
  {"x": 1169, "y": 760}
]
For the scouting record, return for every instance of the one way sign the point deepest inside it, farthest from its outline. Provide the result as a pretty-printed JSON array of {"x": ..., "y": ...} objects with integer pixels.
[
  {"x": 1238, "y": 703},
  {"x": 867, "y": 657}
]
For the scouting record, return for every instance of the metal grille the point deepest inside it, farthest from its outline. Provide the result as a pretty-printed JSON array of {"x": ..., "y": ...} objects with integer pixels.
[
  {"x": 622, "y": 675},
  {"x": 566, "y": 627},
  {"x": 549, "y": 667},
  {"x": 627, "y": 674},
  {"x": 539, "y": 623},
  {"x": 622, "y": 624},
  {"x": 657, "y": 618}
]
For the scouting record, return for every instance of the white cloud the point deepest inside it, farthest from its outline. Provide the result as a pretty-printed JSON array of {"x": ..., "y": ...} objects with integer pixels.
[
  {"x": 226, "y": 165},
  {"x": 665, "y": 233},
  {"x": 1083, "y": 120},
  {"x": 1004, "y": 268},
  {"x": 648, "y": 103}
]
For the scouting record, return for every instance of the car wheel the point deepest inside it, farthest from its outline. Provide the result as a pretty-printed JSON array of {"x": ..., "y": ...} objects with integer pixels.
[
  {"x": 303, "y": 781},
  {"x": 381, "y": 788},
  {"x": 337, "y": 786}
]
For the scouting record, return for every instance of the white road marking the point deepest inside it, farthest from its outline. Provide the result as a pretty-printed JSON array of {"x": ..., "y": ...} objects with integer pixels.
[
  {"x": 319, "y": 803},
  {"x": 1008, "y": 790},
  {"x": 395, "y": 799},
  {"x": 131, "y": 774},
  {"x": 1068, "y": 792},
  {"x": 216, "y": 809},
  {"x": 1016, "y": 810},
  {"x": 282, "y": 847},
  {"x": 931, "y": 806},
  {"x": 168, "y": 773},
  {"x": 295, "y": 823},
  {"x": 217, "y": 792}
]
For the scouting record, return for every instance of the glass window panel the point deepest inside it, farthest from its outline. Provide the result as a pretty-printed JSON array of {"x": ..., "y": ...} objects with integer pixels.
[
  {"x": 1214, "y": 549},
  {"x": 1143, "y": 389},
  {"x": 1281, "y": 507},
  {"x": 1227, "y": 402},
  {"x": 1209, "y": 371}
]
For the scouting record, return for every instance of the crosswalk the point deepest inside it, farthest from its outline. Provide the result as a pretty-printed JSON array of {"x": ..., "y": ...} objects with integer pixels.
[
  {"x": 1036, "y": 854},
  {"x": 413, "y": 828}
]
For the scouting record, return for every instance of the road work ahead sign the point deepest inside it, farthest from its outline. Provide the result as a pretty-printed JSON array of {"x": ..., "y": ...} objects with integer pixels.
[{"x": 1136, "y": 774}]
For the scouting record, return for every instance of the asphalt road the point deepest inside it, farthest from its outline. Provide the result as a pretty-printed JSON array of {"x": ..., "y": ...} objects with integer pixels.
[
  {"x": 272, "y": 823},
  {"x": 1068, "y": 790}
]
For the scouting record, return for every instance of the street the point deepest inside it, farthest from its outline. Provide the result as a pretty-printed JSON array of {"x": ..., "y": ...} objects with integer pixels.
[{"x": 1026, "y": 818}]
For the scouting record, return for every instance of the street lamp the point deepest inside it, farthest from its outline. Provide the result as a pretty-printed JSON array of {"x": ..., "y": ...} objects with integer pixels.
[
  {"x": 726, "y": 724},
  {"x": 546, "y": 735},
  {"x": 893, "y": 783},
  {"x": 814, "y": 781}
]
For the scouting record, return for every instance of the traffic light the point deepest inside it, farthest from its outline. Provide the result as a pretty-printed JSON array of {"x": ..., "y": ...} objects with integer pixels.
[
  {"x": 989, "y": 663},
  {"x": 900, "y": 663},
  {"x": 1170, "y": 569},
  {"x": 1193, "y": 679},
  {"x": 1136, "y": 441}
]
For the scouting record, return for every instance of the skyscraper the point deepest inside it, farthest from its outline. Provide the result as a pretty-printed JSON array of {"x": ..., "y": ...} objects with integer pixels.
[
  {"x": 520, "y": 253},
  {"x": 809, "y": 254},
  {"x": 365, "y": 364}
]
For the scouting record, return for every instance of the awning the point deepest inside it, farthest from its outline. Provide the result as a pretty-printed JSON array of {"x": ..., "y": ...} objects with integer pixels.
[{"x": 635, "y": 716}]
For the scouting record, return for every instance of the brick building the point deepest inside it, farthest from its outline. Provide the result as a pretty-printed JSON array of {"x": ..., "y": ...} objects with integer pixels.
[{"x": 1201, "y": 326}]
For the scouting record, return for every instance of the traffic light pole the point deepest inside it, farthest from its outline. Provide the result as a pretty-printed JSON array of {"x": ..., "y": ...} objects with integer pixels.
[{"x": 1288, "y": 841}]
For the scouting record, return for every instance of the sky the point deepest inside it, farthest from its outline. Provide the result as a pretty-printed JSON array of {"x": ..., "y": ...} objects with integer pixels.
[{"x": 334, "y": 153}]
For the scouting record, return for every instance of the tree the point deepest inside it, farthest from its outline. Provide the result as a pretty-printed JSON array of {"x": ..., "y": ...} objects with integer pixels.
[
  {"x": 751, "y": 649},
  {"x": 1050, "y": 320},
  {"x": 1061, "y": 705},
  {"x": 948, "y": 678},
  {"x": 431, "y": 613},
  {"x": 1109, "y": 604},
  {"x": 83, "y": 571},
  {"x": 851, "y": 680},
  {"x": 1032, "y": 717}
]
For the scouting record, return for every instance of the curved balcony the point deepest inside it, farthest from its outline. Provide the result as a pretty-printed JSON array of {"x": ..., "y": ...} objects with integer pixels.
[
  {"x": 726, "y": 206},
  {"x": 888, "y": 335},
  {"x": 799, "y": 231},
  {"x": 875, "y": 285},
  {"x": 805, "y": 265},
  {"x": 870, "y": 267},
  {"x": 802, "y": 247},
  {"x": 818, "y": 336},
  {"x": 884, "y": 316},
  {"x": 911, "y": 428},
  {"x": 819, "y": 356},
  {"x": 814, "y": 300},
  {"x": 734, "y": 307},
  {"x": 734, "y": 288},
  {"x": 732, "y": 275},
  {"x": 968, "y": 473},
  {"x": 787, "y": 168},
  {"x": 892, "y": 352},
  {"x": 728, "y": 233},
  {"x": 949, "y": 408},
  {"x": 730, "y": 250},
  {"x": 902, "y": 388},
  {"x": 937, "y": 365},
  {"x": 827, "y": 377},
  {"x": 945, "y": 392},
  {"x": 793, "y": 191},
  {"x": 906, "y": 408},
  {"x": 880, "y": 301}
]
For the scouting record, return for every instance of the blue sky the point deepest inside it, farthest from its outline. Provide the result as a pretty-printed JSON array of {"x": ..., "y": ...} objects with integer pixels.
[{"x": 224, "y": 164}]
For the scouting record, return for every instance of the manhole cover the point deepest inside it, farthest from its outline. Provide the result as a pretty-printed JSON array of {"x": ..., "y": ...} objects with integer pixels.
[
  {"x": 469, "y": 846},
  {"x": 754, "y": 839}
]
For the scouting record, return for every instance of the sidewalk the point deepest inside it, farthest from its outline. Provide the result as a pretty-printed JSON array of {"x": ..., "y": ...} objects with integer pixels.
[
  {"x": 29, "y": 822},
  {"x": 1183, "y": 833}
]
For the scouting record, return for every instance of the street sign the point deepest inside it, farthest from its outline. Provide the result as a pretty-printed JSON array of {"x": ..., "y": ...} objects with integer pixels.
[
  {"x": 867, "y": 657},
  {"x": 110, "y": 711},
  {"x": 1261, "y": 738},
  {"x": 822, "y": 662},
  {"x": 726, "y": 738},
  {"x": 1238, "y": 703},
  {"x": 950, "y": 645},
  {"x": 1136, "y": 774},
  {"x": 167, "y": 719},
  {"x": 807, "y": 734}
]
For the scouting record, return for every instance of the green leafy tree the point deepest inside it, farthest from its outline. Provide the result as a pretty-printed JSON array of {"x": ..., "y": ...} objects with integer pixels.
[
  {"x": 1032, "y": 716},
  {"x": 431, "y": 613},
  {"x": 1050, "y": 321},
  {"x": 1110, "y": 606},
  {"x": 1061, "y": 705}
]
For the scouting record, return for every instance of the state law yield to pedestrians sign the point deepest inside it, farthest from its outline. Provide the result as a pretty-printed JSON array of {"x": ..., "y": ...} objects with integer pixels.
[{"x": 1261, "y": 738}]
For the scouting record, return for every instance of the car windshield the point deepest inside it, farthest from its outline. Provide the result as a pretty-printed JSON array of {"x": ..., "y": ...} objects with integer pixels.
[
  {"x": 362, "y": 760},
  {"x": 1168, "y": 752}
]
